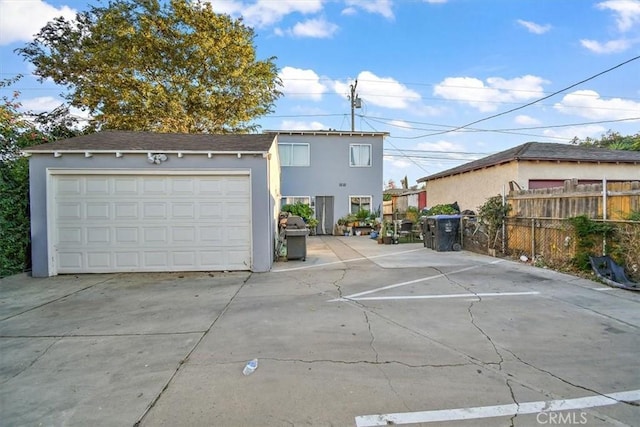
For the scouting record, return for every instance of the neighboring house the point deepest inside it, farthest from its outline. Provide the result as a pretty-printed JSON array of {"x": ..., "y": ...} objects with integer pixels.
[
  {"x": 335, "y": 172},
  {"x": 401, "y": 198},
  {"x": 118, "y": 201},
  {"x": 529, "y": 166}
]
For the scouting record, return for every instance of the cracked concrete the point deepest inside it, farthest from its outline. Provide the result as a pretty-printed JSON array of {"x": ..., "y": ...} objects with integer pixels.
[{"x": 166, "y": 350}]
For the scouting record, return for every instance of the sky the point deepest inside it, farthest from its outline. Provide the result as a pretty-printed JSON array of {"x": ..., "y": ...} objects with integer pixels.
[{"x": 451, "y": 81}]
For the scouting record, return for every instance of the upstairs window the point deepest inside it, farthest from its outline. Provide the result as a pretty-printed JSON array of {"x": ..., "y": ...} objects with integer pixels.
[
  {"x": 292, "y": 154},
  {"x": 360, "y": 155}
]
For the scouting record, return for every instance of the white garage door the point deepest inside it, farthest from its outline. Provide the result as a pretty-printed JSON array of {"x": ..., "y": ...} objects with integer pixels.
[{"x": 118, "y": 223}]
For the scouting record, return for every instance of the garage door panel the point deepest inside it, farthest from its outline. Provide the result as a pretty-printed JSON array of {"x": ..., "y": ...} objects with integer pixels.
[
  {"x": 126, "y": 235},
  {"x": 154, "y": 235},
  {"x": 184, "y": 210},
  {"x": 70, "y": 235},
  {"x": 116, "y": 223},
  {"x": 98, "y": 235},
  {"x": 126, "y": 186},
  {"x": 184, "y": 186},
  {"x": 184, "y": 258},
  {"x": 125, "y": 210},
  {"x": 97, "y": 186},
  {"x": 154, "y": 210},
  {"x": 154, "y": 185},
  {"x": 155, "y": 259},
  {"x": 210, "y": 210},
  {"x": 127, "y": 260},
  {"x": 69, "y": 211},
  {"x": 68, "y": 186},
  {"x": 183, "y": 234},
  {"x": 97, "y": 211},
  {"x": 69, "y": 261},
  {"x": 98, "y": 260}
]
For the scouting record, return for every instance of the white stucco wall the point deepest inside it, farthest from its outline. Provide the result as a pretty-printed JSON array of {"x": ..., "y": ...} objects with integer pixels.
[
  {"x": 472, "y": 189},
  {"x": 565, "y": 170}
]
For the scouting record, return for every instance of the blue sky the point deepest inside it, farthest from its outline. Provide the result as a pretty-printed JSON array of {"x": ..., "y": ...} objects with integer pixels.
[{"x": 424, "y": 68}]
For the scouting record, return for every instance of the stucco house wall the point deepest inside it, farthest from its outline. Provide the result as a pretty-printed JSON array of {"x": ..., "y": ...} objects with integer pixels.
[
  {"x": 471, "y": 189},
  {"x": 329, "y": 172},
  {"x": 530, "y": 164}
]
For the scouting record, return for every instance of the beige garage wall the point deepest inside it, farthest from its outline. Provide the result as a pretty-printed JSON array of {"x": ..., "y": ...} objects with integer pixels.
[
  {"x": 471, "y": 189},
  {"x": 553, "y": 170}
]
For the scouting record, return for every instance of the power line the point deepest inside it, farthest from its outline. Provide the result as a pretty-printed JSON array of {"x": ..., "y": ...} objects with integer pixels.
[
  {"x": 538, "y": 100},
  {"x": 513, "y": 131}
]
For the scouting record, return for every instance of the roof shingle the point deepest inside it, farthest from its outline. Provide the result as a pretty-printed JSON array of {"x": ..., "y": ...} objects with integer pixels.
[
  {"x": 151, "y": 141},
  {"x": 533, "y": 151}
]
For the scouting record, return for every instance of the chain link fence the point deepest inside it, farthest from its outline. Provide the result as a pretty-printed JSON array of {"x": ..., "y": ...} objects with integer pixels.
[{"x": 552, "y": 242}]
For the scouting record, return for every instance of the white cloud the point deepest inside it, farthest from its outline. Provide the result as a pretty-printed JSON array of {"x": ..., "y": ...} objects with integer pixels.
[
  {"x": 300, "y": 125},
  {"x": 588, "y": 104},
  {"x": 449, "y": 150},
  {"x": 263, "y": 13},
  {"x": 316, "y": 28},
  {"x": 381, "y": 7},
  {"x": 612, "y": 46},
  {"x": 443, "y": 146},
  {"x": 627, "y": 12},
  {"x": 523, "y": 119},
  {"x": 41, "y": 104},
  {"x": 401, "y": 124},
  {"x": 486, "y": 97},
  {"x": 299, "y": 83},
  {"x": 21, "y": 20},
  {"x": 593, "y": 131},
  {"x": 533, "y": 27},
  {"x": 380, "y": 91}
]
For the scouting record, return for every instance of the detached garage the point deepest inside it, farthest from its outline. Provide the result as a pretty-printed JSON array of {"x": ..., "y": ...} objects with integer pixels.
[{"x": 136, "y": 201}]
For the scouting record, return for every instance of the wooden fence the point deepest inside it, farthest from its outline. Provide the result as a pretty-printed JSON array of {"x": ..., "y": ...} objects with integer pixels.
[{"x": 620, "y": 200}]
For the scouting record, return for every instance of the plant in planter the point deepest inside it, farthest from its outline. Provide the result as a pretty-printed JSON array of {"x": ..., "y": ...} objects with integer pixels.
[
  {"x": 312, "y": 223},
  {"x": 362, "y": 215}
]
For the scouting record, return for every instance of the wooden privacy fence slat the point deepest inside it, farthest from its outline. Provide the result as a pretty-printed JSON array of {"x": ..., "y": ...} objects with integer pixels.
[{"x": 622, "y": 199}]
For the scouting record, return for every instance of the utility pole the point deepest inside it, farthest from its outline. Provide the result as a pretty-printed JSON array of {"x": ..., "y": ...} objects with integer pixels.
[{"x": 355, "y": 103}]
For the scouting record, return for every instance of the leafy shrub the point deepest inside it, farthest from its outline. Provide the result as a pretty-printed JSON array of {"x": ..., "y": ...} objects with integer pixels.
[{"x": 299, "y": 209}]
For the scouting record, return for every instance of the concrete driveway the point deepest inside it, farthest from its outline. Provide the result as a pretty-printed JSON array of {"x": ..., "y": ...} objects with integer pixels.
[{"x": 360, "y": 334}]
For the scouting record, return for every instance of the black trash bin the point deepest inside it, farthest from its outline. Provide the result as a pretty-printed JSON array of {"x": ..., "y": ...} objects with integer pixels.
[
  {"x": 428, "y": 229},
  {"x": 296, "y": 236},
  {"x": 444, "y": 232}
]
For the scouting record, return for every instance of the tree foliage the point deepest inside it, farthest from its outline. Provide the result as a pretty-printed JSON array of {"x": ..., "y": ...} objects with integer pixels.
[
  {"x": 18, "y": 131},
  {"x": 161, "y": 66},
  {"x": 612, "y": 140}
]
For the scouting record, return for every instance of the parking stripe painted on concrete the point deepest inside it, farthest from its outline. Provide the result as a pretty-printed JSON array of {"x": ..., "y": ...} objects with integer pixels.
[{"x": 461, "y": 414}]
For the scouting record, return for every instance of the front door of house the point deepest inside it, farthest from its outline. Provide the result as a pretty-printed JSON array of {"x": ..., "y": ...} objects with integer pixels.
[{"x": 324, "y": 214}]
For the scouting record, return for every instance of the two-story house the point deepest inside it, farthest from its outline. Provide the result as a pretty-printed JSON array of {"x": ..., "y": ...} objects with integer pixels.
[{"x": 335, "y": 172}]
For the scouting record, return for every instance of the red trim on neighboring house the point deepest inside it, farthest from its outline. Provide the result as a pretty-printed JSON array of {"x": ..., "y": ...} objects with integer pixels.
[{"x": 422, "y": 199}]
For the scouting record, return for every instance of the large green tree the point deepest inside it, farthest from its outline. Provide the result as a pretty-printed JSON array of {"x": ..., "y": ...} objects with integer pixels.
[
  {"x": 612, "y": 140},
  {"x": 154, "y": 65}
]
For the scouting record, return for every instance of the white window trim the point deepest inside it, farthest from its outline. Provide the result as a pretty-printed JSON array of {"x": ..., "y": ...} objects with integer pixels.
[
  {"x": 370, "y": 156},
  {"x": 283, "y": 198},
  {"x": 308, "y": 163},
  {"x": 370, "y": 197}
]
